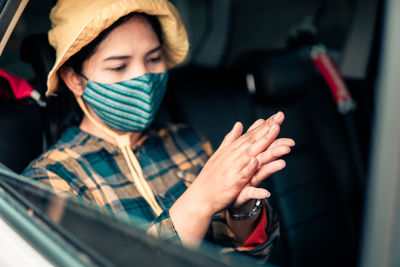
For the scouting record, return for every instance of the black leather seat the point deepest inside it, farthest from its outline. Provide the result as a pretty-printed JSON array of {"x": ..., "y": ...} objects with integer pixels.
[
  {"x": 37, "y": 51},
  {"x": 22, "y": 124},
  {"x": 211, "y": 100},
  {"x": 21, "y": 134},
  {"x": 315, "y": 195}
]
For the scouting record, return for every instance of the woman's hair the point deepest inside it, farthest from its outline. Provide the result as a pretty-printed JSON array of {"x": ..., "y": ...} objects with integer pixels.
[{"x": 63, "y": 111}]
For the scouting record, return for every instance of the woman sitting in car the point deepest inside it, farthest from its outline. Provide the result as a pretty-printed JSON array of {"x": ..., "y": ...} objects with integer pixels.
[{"x": 113, "y": 57}]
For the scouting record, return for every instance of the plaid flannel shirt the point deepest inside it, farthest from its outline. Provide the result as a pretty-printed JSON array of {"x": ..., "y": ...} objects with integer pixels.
[{"x": 171, "y": 158}]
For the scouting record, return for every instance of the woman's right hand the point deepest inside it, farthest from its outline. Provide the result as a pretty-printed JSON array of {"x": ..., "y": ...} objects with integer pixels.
[
  {"x": 233, "y": 164},
  {"x": 222, "y": 178}
]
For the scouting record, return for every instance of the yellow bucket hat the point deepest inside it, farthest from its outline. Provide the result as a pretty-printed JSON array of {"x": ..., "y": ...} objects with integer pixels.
[{"x": 75, "y": 23}]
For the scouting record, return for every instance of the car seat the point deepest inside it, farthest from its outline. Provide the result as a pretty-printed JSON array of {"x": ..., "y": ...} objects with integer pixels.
[
  {"x": 24, "y": 131},
  {"x": 21, "y": 135},
  {"x": 316, "y": 195}
]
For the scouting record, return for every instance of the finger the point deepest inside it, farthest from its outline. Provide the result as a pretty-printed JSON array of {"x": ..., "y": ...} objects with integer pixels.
[
  {"x": 248, "y": 171},
  {"x": 272, "y": 153},
  {"x": 266, "y": 171},
  {"x": 256, "y": 124},
  {"x": 279, "y": 117},
  {"x": 249, "y": 193},
  {"x": 254, "y": 142},
  {"x": 234, "y": 134},
  {"x": 252, "y": 192},
  {"x": 258, "y": 142},
  {"x": 284, "y": 141},
  {"x": 261, "y": 128},
  {"x": 276, "y": 118}
]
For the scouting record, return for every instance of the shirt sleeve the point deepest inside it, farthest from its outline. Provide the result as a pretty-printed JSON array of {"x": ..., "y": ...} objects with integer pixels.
[
  {"x": 162, "y": 228},
  {"x": 222, "y": 235},
  {"x": 258, "y": 245},
  {"x": 258, "y": 236},
  {"x": 54, "y": 181}
]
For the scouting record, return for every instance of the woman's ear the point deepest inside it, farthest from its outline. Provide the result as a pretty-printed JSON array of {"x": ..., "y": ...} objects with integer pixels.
[{"x": 73, "y": 81}]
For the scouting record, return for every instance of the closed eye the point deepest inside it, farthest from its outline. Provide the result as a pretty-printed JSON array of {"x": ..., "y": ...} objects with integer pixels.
[
  {"x": 155, "y": 59},
  {"x": 118, "y": 68}
]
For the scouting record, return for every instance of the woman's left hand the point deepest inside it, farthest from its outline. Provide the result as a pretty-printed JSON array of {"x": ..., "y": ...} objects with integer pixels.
[{"x": 269, "y": 163}]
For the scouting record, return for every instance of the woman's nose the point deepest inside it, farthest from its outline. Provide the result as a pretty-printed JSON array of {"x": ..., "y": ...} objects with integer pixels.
[{"x": 140, "y": 69}]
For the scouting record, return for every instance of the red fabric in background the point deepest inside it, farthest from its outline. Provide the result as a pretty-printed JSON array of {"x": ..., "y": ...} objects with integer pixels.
[{"x": 19, "y": 87}]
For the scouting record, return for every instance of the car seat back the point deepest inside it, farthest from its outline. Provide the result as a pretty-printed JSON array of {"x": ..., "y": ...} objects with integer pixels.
[
  {"x": 315, "y": 193},
  {"x": 21, "y": 135}
]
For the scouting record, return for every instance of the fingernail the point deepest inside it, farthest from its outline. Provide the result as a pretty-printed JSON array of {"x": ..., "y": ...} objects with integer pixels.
[
  {"x": 269, "y": 194},
  {"x": 278, "y": 116},
  {"x": 253, "y": 161}
]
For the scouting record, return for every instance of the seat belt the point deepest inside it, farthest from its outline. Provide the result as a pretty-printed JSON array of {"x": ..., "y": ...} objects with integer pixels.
[
  {"x": 344, "y": 102},
  {"x": 18, "y": 89}
]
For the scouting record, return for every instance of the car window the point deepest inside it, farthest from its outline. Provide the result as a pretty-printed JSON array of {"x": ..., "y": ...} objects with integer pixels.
[
  {"x": 98, "y": 236},
  {"x": 18, "y": 251}
]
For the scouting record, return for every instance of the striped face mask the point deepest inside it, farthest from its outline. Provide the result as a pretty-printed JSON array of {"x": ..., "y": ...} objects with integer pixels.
[{"x": 128, "y": 106}]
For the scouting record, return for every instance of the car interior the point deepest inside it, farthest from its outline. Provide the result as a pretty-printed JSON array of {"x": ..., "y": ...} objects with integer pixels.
[{"x": 248, "y": 60}]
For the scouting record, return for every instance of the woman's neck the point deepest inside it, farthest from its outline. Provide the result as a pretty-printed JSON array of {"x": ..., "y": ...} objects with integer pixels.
[{"x": 87, "y": 126}]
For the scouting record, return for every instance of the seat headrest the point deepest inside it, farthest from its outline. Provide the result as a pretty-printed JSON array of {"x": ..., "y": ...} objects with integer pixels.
[
  {"x": 37, "y": 51},
  {"x": 277, "y": 77}
]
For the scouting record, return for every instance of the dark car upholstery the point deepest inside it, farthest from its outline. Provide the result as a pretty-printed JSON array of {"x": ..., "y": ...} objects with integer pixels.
[
  {"x": 21, "y": 134},
  {"x": 314, "y": 194}
]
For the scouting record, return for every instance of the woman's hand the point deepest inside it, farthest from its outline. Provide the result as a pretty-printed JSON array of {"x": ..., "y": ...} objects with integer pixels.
[
  {"x": 268, "y": 162},
  {"x": 241, "y": 161},
  {"x": 236, "y": 163}
]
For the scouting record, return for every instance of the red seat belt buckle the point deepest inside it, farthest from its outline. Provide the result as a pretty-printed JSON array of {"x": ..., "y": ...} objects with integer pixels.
[{"x": 333, "y": 78}]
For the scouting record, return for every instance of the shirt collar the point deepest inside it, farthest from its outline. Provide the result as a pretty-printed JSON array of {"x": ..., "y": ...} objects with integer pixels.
[{"x": 75, "y": 134}]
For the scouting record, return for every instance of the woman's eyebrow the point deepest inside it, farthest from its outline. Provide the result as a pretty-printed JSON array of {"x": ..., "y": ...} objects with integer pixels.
[
  {"x": 117, "y": 58},
  {"x": 154, "y": 50},
  {"x": 128, "y": 57}
]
